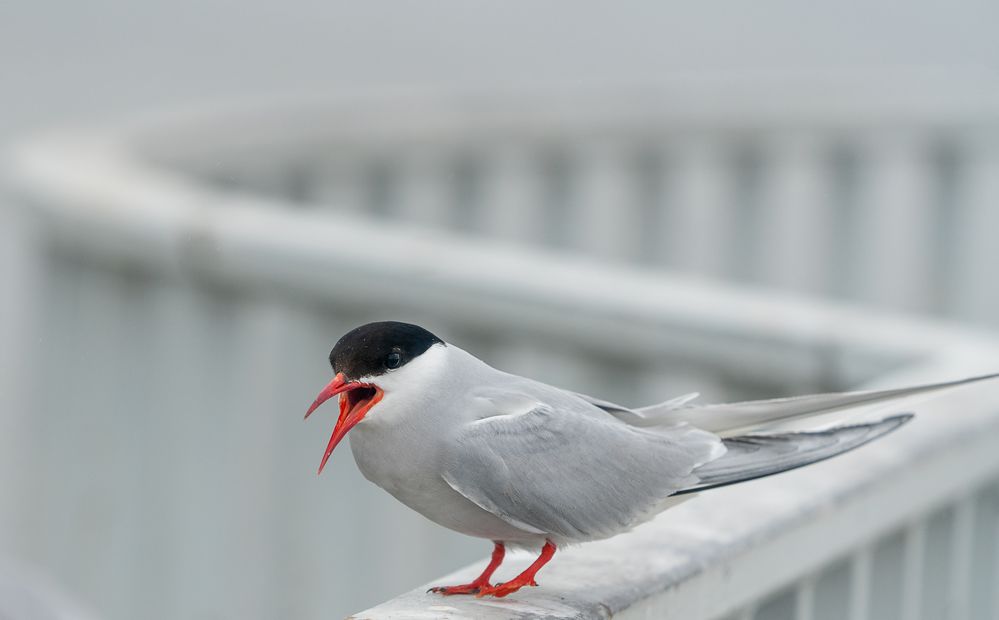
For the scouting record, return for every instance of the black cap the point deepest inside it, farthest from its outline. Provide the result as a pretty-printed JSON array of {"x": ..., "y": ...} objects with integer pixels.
[{"x": 377, "y": 348}]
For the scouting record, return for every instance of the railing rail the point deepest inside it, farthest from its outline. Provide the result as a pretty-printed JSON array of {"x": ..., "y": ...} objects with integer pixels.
[{"x": 820, "y": 191}]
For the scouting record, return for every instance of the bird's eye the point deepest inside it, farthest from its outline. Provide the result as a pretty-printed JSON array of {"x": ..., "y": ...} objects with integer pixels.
[{"x": 393, "y": 360}]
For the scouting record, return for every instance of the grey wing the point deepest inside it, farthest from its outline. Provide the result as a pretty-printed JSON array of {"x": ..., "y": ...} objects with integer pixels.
[{"x": 574, "y": 475}]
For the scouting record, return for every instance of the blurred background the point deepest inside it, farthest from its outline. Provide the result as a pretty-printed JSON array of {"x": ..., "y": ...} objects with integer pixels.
[{"x": 154, "y": 461}]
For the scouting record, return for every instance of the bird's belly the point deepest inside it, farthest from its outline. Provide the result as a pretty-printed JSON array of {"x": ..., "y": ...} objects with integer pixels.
[{"x": 415, "y": 480}]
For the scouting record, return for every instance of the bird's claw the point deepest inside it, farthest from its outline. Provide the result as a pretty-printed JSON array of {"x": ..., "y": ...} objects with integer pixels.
[{"x": 468, "y": 588}]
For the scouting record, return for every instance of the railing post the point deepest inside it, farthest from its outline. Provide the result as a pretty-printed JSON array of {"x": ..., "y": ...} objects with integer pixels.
[
  {"x": 912, "y": 578},
  {"x": 805, "y": 599},
  {"x": 995, "y": 560},
  {"x": 959, "y": 592},
  {"x": 976, "y": 252},
  {"x": 606, "y": 219},
  {"x": 795, "y": 215},
  {"x": 860, "y": 584},
  {"x": 425, "y": 189},
  {"x": 511, "y": 195},
  {"x": 895, "y": 235},
  {"x": 338, "y": 184},
  {"x": 700, "y": 237}
]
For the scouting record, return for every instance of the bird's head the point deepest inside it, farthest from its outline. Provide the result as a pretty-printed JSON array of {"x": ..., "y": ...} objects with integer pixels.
[{"x": 363, "y": 361}]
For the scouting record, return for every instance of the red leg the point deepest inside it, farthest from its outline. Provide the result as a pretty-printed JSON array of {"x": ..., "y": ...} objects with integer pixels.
[
  {"x": 526, "y": 578},
  {"x": 482, "y": 581}
]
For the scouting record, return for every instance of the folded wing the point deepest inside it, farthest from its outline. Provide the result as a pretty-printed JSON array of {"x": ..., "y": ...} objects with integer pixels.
[{"x": 575, "y": 474}]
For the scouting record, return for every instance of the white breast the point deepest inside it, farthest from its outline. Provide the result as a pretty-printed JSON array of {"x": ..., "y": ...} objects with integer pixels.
[{"x": 400, "y": 443}]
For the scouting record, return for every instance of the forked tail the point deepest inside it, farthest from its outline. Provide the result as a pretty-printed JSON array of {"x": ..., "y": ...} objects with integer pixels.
[{"x": 755, "y": 456}]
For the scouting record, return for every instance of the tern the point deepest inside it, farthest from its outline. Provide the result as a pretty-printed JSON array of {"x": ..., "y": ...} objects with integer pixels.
[{"x": 528, "y": 465}]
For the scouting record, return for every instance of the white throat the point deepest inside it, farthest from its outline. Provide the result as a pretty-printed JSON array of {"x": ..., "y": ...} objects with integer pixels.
[{"x": 416, "y": 387}]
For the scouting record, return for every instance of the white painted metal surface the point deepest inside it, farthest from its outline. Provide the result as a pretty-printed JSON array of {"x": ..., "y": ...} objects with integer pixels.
[{"x": 186, "y": 307}]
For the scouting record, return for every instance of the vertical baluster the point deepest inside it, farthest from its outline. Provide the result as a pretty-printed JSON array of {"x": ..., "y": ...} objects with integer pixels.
[
  {"x": 94, "y": 524},
  {"x": 782, "y": 605},
  {"x": 121, "y": 385},
  {"x": 888, "y": 578},
  {"x": 298, "y": 181},
  {"x": 195, "y": 351},
  {"x": 699, "y": 237},
  {"x": 795, "y": 216},
  {"x": 305, "y": 584},
  {"x": 805, "y": 600},
  {"x": 984, "y": 554},
  {"x": 466, "y": 188},
  {"x": 426, "y": 189},
  {"x": 895, "y": 235},
  {"x": 912, "y": 584},
  {"x": 860, "y": 585},
  {"x": 995, "y": 553},
  {"x": 25, "y": 274},
  {"x": 749, "y": 232},
  {"x": 845, "y": 215},
  {"x": 59, "y": 355},
  {"x": 654, "y": 173},
  {"x": 557, "y": 195},
  {"x": 976, "y": 252},
  {"x": 339, "y": 183},
  {"x": 248, "y": 399},
  {"x": 960, "y": 571},
  {"x": 380, "y": 182},
  {"x": 511, "y": 195},
  {"x": 227, "y": 461},
  {"x": 118, "y": 388},
  {"x": 938, "y": 564},
  {"x": 949, "y": 216},
  {"x": 606, "y": 217},
  {"x": 174, "y": 410},
  {"x": 144, "y": 408},
  {"x": 201, "y": 464},
  {"x": 832, "y": 598}
]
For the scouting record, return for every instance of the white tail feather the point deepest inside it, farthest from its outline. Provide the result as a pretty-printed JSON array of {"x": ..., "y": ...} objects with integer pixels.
[{"x": 730, "y": 418}]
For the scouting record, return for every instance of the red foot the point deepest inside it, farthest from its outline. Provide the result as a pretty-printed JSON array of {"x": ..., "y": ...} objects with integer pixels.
[
  {"x": 468, "y": 588},
  {"x": 482, "y": 581},
  {"x": 502, "y": 589},
  {"x": 526, "y": 578}
]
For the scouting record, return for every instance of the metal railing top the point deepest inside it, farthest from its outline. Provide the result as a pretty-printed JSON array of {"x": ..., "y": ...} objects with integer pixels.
[
  {"x": 295, "y": 130},
  {"x": 97, "y": 196}
]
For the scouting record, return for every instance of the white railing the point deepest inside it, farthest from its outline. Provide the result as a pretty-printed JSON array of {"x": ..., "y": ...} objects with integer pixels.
[
  {"x": 881, "y": 199},
  {"x": 179, "y": 328}
]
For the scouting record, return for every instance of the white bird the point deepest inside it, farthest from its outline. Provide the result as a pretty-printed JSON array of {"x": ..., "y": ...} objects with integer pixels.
[{"x": 519, "y": 462}]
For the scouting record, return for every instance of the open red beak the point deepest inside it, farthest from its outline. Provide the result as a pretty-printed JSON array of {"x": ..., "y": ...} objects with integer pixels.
[{"x": 356, "y": 400}]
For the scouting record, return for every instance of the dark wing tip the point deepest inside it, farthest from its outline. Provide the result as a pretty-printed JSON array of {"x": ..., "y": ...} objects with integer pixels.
[{"x": 756, "y": 456}]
